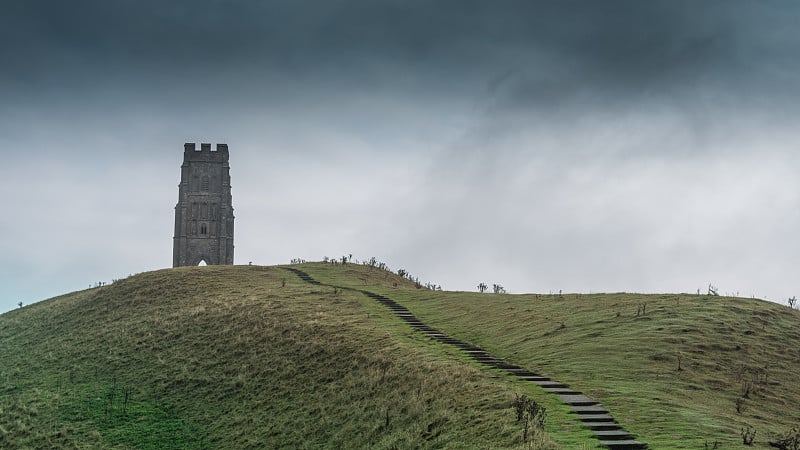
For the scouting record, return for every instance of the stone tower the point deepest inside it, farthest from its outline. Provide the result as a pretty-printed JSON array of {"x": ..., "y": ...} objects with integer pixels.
[{"x": 204, "y": 215}]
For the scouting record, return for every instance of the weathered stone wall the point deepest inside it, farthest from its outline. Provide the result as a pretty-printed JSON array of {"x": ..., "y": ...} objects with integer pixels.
[{"x": 204, "y": 213}]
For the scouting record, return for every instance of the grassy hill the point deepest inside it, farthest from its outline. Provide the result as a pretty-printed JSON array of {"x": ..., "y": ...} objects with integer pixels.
[
  {"x": 237, "y": 357},
  {"x": 739, "y": 358},
  {"x": 253, "y": 357}
]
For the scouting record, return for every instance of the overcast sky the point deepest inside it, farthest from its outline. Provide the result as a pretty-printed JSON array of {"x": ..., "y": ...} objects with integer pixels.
[{"x": 581, "y": 146}]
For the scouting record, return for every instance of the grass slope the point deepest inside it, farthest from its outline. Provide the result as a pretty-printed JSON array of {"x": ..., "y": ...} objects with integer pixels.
[
  {"x": 230, "y": 357},
  {"x": 731, "y": 350}
]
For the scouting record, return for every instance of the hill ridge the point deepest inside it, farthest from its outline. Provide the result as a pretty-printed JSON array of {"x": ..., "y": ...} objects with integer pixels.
[
  {"x": 596, "y": 418},
  {"x": 251, "y": 356}
]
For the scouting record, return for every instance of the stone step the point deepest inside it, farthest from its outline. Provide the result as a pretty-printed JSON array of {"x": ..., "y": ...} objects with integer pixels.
[
  {"x": 533, "y": 378},
  {"x": 468, "y": 349},
  {"x": 496, "y": 365},
  {"x": 489, "y": 361},
  {"x": 595, "y": 418},
  {"x": 549, "y": 383},
  {"x": 499, "y": 363},
  {"x": 603, "y": 426},
  {"x": 577, "y": 400},
  {"x": 426, "y": 330},
  {"x": 593, "y": 409},
  {"x": 521, "y": 373},
  {"x": 612, "y": 435},
  {"x": 504, "y": 365},
  {"x": 483, "y": 358},
  {"x": 529, "y": 374},
  {"x": 565, "y": 391}
]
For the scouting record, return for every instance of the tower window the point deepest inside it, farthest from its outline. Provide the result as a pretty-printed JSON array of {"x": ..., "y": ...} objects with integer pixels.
[
  {"x": 203, "y": 228},
  {"x": 204, "y": 184}
]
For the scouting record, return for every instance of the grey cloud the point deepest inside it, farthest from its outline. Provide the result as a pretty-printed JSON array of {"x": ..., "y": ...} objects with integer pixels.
[
  {"x": 624, "y": 45},
  {"x": 542, "y": 145}
]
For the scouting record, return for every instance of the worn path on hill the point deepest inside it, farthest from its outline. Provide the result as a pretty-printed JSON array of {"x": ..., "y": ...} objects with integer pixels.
[{"x": 593, "y": 415}]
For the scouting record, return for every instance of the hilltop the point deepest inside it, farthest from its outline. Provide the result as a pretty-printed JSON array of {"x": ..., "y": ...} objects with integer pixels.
[
  {"x": 254, "y": 357},
  {"x": 235, "y": 357}
]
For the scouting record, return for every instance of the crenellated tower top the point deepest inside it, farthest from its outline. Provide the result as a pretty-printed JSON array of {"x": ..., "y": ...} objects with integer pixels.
[{"x": 205, "y": 152}]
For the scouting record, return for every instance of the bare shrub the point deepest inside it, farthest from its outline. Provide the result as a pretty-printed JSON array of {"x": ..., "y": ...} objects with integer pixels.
[
  {"x": 748, "y": 435},
  {"x": 531, "y": 414},
  {"x": 789, "y": 441}
]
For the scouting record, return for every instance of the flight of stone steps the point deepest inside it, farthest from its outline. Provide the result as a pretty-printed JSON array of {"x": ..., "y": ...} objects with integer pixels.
[{"x": 591, "y": 414}]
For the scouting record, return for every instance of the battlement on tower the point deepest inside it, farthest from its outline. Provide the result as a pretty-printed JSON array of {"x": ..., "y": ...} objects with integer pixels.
[{"x": 205, "y": 152}]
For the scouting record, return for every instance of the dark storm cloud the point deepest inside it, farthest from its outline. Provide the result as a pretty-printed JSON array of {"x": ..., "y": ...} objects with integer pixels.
[{"x": 550, "y": 49}]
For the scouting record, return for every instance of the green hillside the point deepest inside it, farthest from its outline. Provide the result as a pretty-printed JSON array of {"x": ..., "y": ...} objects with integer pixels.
[
  {"x": 230, "y": 357},
  {"x": 254, "y": 357},
  {"x": 624, "y": 350}
]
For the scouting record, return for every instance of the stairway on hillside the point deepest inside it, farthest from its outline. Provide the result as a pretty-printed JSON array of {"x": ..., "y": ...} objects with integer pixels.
[{"x": 593, "y": 415}]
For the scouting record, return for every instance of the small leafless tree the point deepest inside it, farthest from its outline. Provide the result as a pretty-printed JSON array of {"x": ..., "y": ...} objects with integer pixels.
[
  {"x": 531, "y": 414},
  {"x": 748, "y": 435},
  {"x": 482, "y": 288}
]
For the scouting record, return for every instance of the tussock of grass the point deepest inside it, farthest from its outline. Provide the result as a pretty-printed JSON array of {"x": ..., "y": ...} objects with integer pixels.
[
  {"x": 729, "y": 349},
  {"x": 227, "y": 357}
]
